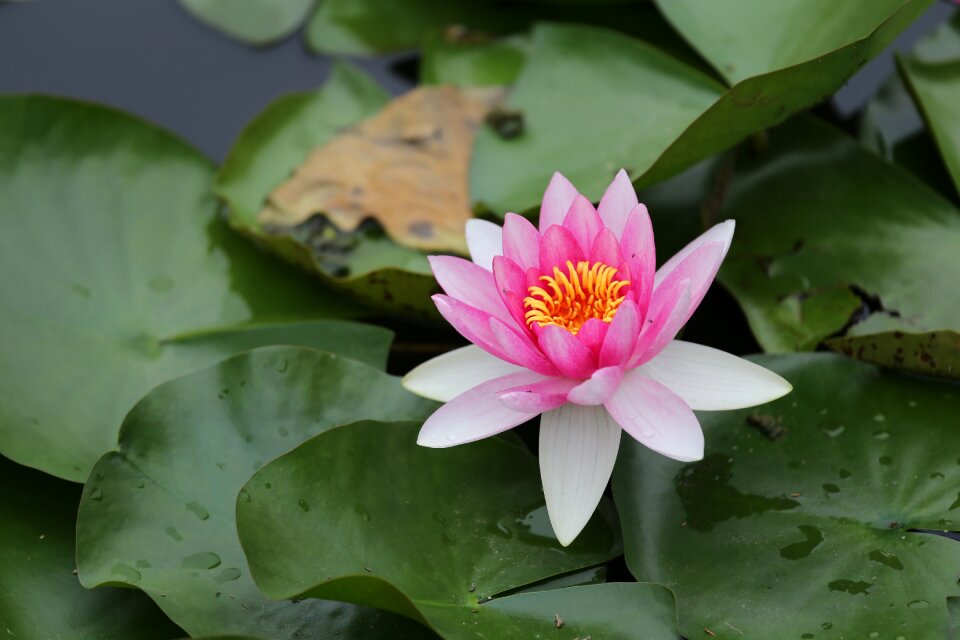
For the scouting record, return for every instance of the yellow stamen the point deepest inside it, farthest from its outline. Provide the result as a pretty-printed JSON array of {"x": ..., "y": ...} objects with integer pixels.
[{"x": 569, "y": 299}]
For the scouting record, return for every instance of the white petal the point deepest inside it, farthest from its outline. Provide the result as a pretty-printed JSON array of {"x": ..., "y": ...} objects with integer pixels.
[
  {"x": 476, "y": 414},
  {"x": 445, "y": 377},
  {"x": 656, "y": 417},
  {"x": 578, "y": 446},
  {"x": 711, "y": 380},
  {"x": 722, "y": 232},
  {"x": 484, "y": 240}
]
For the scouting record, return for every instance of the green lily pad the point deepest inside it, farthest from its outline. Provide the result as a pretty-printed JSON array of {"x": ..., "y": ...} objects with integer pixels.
[
  {"x": 258, "y": 22},
  {"x": 40, "y": 596},
  {"x": 158, "y": 513},
  {"x": 595, "y": 101},
  {"x": 114, "y": 260},
  {"x": 933, "y": 74},
  {"x": 429, "y": 534},
  {"x": 800, "y": 521},
  {"x": 366, "y": 263},
  {"x": 473, "y": 64},
  {"x": 833, "y": 242}
]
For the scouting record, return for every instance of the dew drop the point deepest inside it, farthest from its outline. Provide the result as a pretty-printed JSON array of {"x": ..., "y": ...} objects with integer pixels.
[
  {"x": 227, "y": 575},
  {"x": 143, "y": 564},
  {"x": 844, "y": 473},
  {"x": 829, "y": 487},
  {"x": 96, "y": 495},
  {"x": 202, "y": 560},
  {"x": 918, "y": 604},
  {"x": 362, "y": 512},
  {"x": 283, "y": 366},
  {"x": 879, "y": 417},
  {"x": 126, "y": 572},
  {"x": 833, "y": 432},
  {"x": 826, "y": 626},
  {"x": 244, "y": 496},
  {"x": 303, "y": 504},
  {"x": 173, "y": 533},
  {"x": 881, "y": 435},
  {"x": 874, "y": 634},
  {"x": 283, "y": 431},
  {"x": 198, "y": 510},
  {"x": 936, "y": 475}
]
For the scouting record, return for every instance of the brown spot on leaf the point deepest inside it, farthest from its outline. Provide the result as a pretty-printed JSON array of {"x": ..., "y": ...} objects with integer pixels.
[{"x": 406, "y": 167}]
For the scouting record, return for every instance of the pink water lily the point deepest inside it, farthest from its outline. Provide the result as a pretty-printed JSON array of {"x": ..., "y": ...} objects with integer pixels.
[{"x": 572, "y": 321}]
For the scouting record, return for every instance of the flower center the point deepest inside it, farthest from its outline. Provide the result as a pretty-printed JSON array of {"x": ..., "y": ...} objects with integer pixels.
[{"x": 569, "y": 299}]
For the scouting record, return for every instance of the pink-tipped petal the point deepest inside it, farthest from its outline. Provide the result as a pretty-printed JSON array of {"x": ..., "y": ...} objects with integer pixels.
[
  {"x": 484, "y": 240},
  {"x": 640, "y": 254},
  {"x": 621, "y": 338},
  {"x": 476, "y": 414},
  {"x": 592, "y": 333},
  {"x": 709, "y": 379},
  {"x": 556, "y": 248},
  {"x": 578, "y": 448},
  {"x": 511, "y": 283},
  {"x": 538, "y": 397},
  {"x": 571, "y": 358},
  {"x": 599, "y": 388},
  {"x": 722, "y": 232},
  {"x": 583, "y": 222},
  {"x": 662, "y": 323},
  {"x": 521, "y": 349},
  {"x": 473, "y": 324},
  {"x": 617, "y": 202},
  {"x": 445, "y": 377},
  {"x": 521, "y": 241},
  {"x": 606, "y": 249},
  {"x": 656, "y": 417},
  {"x": 469, "y": 283},
  {"x": 556, "y": 201}
]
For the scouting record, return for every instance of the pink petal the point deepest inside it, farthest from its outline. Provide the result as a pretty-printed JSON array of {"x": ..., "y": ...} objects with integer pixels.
[
  {"x": 621, "y": 338},
  {"x": 469, "y": 283},
  {"x": 484, "y": 240},
  {"x": 521, "y": 241},
  {"x": 511, "y": 283},
  {"x": 556, "y": 201},
  {"x": 606, "y": 249},
  {"x": 722, "y": 232},
  {"x": 617, "y": 202},
  {"x": 571, "y": 358},
  {"x": 599, "y": 388},
  {"x": 592, "y": 333},
  {"x": 473, "y": 324},
  {"x": 475, "y": 414},
  {"x": 521, "y": 349},
  {"x": 556, "y": 248},
  {"x": 662, "y": 323},
  {"x": 656, "y": 417},
  {"x": 544, "y": 395},
  {"x": 583, "y": 222},
  {"x": 640, "y": 254}
]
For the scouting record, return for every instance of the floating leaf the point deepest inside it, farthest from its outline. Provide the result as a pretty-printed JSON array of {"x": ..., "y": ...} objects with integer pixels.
[
  {"x": 833, "y": 241},
  {"x": 809, "y": 530},
  {"x": 482, "y": 530},
  {"x": 114, "y": 261},
  {"x": 41, "y": 597},
  {"x": 933, "y": 73},
  {"x": 473, "y": 63},
  {"x": 185, "y": 451},
  {"x": 258, "y": 22},
  {"x": 405, "y": 167},
  {"x": 365, "y": 263}
]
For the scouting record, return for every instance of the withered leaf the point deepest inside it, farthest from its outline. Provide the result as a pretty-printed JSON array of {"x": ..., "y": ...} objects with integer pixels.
[{"x": 406, "y": 167}]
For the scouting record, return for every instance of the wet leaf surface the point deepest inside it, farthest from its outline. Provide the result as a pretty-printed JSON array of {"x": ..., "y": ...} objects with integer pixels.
[
  {"x": 158, "y": 513},
  {"x": 822, "y": 516},
  {"x": 483, "y": 531},
  {"x": 114, "y": 260}
]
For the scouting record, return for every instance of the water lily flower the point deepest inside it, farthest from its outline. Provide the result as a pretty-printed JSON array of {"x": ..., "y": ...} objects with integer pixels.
[{"x": 573, "y": 322}]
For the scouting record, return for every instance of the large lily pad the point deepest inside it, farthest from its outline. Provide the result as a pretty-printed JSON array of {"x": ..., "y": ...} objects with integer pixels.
[
  {"x": 800, "y": 521},
  {"x": 665, "y": 118},
  {"x": 158, "y": 513},
  {"x": 364, "y": 262},
  {"x": 114, "y": 260},
  {"x": 40, "y": 596},
  {"x": 933, "y": 73},
  {"x": 258, "y": 22},
  {"x": 370, "y": 517},
  {"x": 833, "y": 241}
]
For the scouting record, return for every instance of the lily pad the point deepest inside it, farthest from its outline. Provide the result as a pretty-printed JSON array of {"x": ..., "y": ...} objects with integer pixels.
[
  {"x": 364, "y": 262},
  {"x": 933, "y": 74},
  {"x": 158, "y": 513},
  {"x": 808, "y": 529},
  {"x": 646, "y": 111},
  {"x": 483, "y": 531},
  {"x": 114, "y": 260},
  {"x": 40, "y": 596},
  {"x": 851, "y": 246},
  {"x": 258, "y": 22},
  {"x": 473, "y": 64}
]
